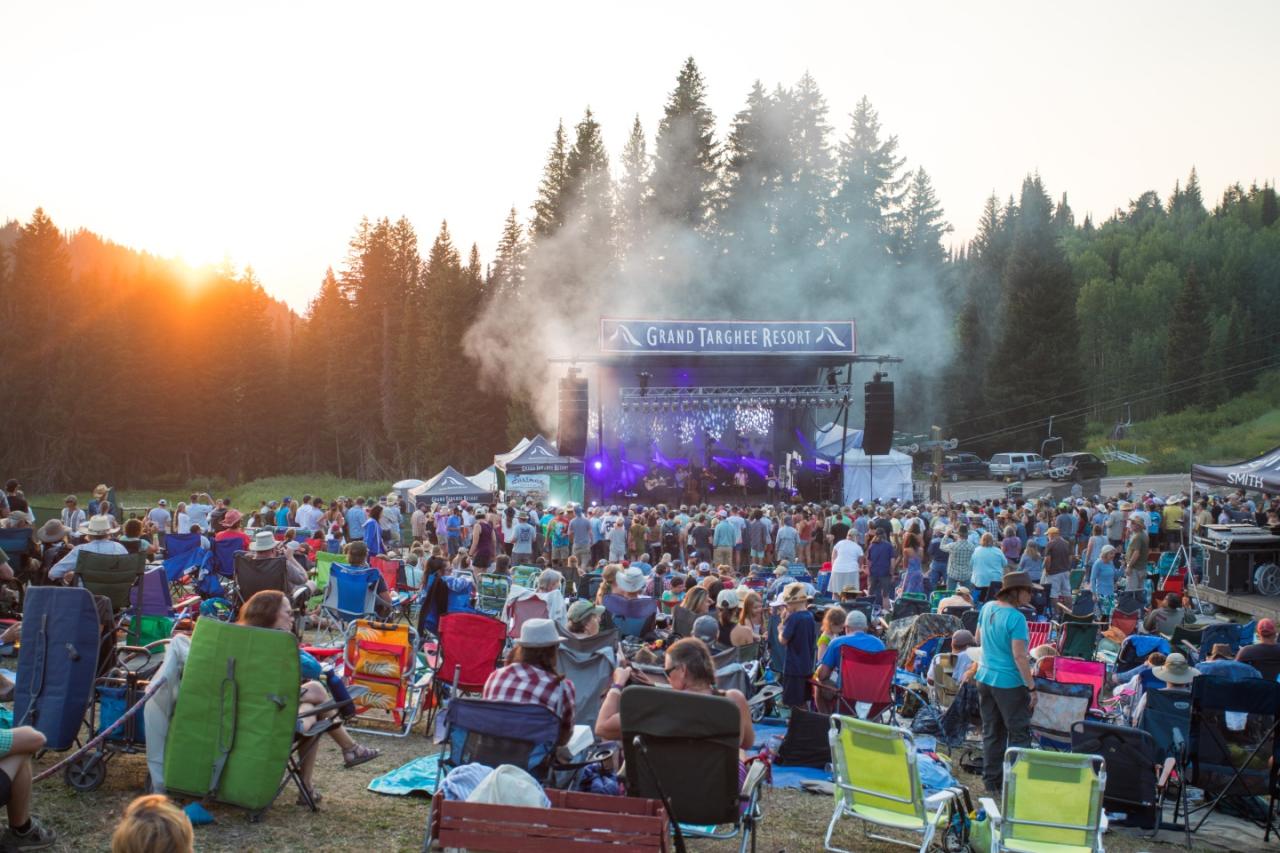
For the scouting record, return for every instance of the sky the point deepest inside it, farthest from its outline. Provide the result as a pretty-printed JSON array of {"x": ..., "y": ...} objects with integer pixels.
[{"x": 263, "y": 131}]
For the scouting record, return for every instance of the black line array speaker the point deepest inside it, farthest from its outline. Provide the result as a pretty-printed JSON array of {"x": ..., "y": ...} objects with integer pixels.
[
  {"x": 571, "y": 430},
  {"x": 877, "y": 432}
]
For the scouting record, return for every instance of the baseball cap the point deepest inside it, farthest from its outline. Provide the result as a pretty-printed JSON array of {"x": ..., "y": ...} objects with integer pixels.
[{"x": 581, "y": 609}]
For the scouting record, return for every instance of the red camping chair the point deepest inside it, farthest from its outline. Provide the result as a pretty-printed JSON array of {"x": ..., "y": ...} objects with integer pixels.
[
  {"x": 470, "y": 649},
  {"x": 867, "y": 677},
  {"x": 390, "y": 571},
  {"x": 532, "y": 607},
  {"x": 1038, "y": 634},
  {"x": 1126, "y": 621},
  {"x": 1076, "y": 671}
]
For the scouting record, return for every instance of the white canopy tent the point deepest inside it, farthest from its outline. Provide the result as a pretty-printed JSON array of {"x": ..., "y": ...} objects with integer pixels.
[
  {"x": 881, "y": 477},
  {"x": 403, "y": 486},
  {"x": 486, "y": 479}
]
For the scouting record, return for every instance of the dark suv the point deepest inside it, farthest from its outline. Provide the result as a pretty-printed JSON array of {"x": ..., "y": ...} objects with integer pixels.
[
  {"x": 960, "y": 466},
  {"x": 1076, "y": 466}
]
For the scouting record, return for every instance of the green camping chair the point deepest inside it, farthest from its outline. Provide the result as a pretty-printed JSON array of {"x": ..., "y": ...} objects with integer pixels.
[
  {"x": 1051, "y": 803},
  {"x": 876, "y": 782},
  {"x": 324, "y": 562},
  {"x": 111, "y": 575},
  {"x": 525, "y": 576}
]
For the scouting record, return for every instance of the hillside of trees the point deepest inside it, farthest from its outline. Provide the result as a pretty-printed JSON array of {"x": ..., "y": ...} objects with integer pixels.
[{"x": 124, "y": 367}]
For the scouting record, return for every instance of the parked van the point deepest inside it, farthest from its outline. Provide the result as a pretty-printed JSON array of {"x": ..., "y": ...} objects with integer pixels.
[{"x": 1017, "y": 466}]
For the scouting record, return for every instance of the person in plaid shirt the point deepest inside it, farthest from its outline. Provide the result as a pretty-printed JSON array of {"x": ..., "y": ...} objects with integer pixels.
[{"x": 530, "y": 675}]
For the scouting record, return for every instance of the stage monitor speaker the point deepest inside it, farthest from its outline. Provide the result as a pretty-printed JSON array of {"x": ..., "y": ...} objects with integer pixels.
[
  {"x": 1232, "y": 571},
  {"x": 571, "y": 430},
  {"x": 877, "y": 433}
]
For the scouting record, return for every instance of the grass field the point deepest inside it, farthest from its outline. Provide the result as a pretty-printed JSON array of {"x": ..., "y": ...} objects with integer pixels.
[
  {"x": 245, "y": 496},
  {"x": 353, "y": 818}
]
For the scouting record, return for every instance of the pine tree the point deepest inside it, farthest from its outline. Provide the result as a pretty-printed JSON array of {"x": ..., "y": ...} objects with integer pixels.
[
  {"x": 922, "y": 224},
  {"x": 587, "y": 188},
  {"x": 870, "y": 185},
  {"x": 808, "y": 176},
  {"x": 685, "y": 154},
  {"x": 549, "y": 207},
  {"x": 509, "y": 263},
  {"x": 1188, "y": 340},
  {"x": 633, "y": 194},
  {"x": 1063, "y": 219},
  {"x": 1039, "y": 325},
  {"x": 754, "y": 177}
]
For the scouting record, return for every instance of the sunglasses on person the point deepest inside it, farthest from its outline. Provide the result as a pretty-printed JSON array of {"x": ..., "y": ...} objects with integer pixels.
[{"x": 670, "y": 669}]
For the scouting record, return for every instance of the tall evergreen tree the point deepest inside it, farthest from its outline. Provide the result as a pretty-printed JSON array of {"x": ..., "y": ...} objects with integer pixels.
[
  {"x": 923, "y": 224},
  {"x": 685, "y": 167},
  {"x": 633, "y": 193},
  {"x": 587, "y": 188},
  {"x": 870, "y": 185},
  {"x": 1188, "y": 339},
  {"x": 549, "y": 208},
  {"x": 509, "y": 263}
]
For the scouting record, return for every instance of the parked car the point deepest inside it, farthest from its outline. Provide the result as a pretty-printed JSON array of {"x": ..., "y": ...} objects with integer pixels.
[
  {"x": 1018, "y": 466},
  {"x": 1076, "y": 467},
  {"x": 960, "y": 466}
]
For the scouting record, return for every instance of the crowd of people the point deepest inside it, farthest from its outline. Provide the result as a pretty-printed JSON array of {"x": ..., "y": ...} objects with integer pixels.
[{"x": 715, "y": 573}]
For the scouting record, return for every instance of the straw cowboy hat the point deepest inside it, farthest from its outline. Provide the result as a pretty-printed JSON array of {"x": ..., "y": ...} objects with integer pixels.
[
  {"x": 794, "y": 592},
  {"x": 1176, "y": 670},
  {"x": 631, "y": 580},
  {"x": 539, "y": 634},
  {"x": 263, "y": 540},
  {"x": 1044, "y": 651},
  {"x": 99, "y": 525}
]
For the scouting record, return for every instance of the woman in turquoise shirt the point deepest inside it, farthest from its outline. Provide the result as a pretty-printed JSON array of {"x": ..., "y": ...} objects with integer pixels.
[{"x": 1006, "y": 688}]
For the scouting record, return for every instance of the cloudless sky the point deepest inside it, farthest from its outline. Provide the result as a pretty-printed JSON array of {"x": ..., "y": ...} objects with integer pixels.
[{"x": 263, "y": 131}]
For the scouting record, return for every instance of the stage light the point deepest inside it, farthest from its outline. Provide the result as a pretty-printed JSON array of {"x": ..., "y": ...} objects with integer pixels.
[
  {"x": 645, "y": 376},
  {"x": 598, "y": 465}
]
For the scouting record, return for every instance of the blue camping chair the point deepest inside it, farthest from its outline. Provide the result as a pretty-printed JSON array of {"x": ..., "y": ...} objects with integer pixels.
[
  {"x": 222, "y": 564},
  {"x": 182, "y": 552},
  {"x": 352, "y": 593},
  {"x": 633, "y": 617},
  {"x": 16, "y": 542}
]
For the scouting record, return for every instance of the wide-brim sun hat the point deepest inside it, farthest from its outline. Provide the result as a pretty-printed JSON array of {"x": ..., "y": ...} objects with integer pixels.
[
  {"x": 1017, "y": 580},
  {"x": 539, "y": 634},
  {"x": 52, "y": 531},
  {"x": 99, "y": 525},
  {"x": 631, "y": 580},
  {"x": 582, "y": 609},
  {"x": 263, "y": 540},
  {"x": 232, "y": 518},
  {"x": 1175, "y": 670},
  {"x": 795, "y": 592}
]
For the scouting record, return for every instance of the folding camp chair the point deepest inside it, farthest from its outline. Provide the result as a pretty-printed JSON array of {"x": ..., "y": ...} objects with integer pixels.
[
  {"x": 1234, "y": 750},
  {"x": 1125, "y": 620},
  {"x": 1186, "y": 639},
  {"x": 867, "y": 678},
  {"x": 152, "y": 614},
  {"x": 1214, "y": 633},
  {"x": 945, "y": 684},
  {"x": 392, "y": 572},
  {"x": 467, "y": 652},
  {"x": 969, "y": 620},
  {"x": 682, "y": 748},
  {"x": 1038, "y": 634},
  {"x": 1073, "y": 671},
  {"x": 905, "y": 607},
  {"x": 57, "y": 663},
  {"x": 1131, "y": 601},
  {"x": 1136, "y": 648},
  {"x": 1134, "y": 775},
  {"x": 352, "y": 593},
  {"x": 382, "y": 658},
  {"x": 957, "y": 610},
  {"x": 589, "y": 663},
  {"x": 1167, "y": 719},
  {"x": 1059, "y": 706},
  {"x": 254, "y": 575},
  {"x": 493, "y": 593},
  {"x": 1051, "y": 801},
  {"x": 634, "y": 617},
  {"x": 110, "y": 575},
  {"x": 935, "y": 597},
  {"x": 1084, "y": 604},
  {"x": 182, "y": 556},
  {"x": 1078, "y": 636},
  {"x": 523, "y": 606},
  {"x": 525, "y": 576},
  {"x": 877, "y": 783}
]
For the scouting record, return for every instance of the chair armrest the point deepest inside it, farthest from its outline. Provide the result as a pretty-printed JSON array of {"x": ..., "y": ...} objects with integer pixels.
[{"x": 1162, "y": 777}]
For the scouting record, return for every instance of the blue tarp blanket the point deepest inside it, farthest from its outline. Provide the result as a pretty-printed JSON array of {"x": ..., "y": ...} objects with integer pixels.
[
  {"x": 418, "y": 776},
  {"x": 769, "y": 735}
]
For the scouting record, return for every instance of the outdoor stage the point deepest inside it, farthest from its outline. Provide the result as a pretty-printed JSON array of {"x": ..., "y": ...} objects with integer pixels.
[{"x": 682, "y": 410}]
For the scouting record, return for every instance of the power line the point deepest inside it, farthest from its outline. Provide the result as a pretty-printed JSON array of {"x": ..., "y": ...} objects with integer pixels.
[{"x": 1183, "y": 385}]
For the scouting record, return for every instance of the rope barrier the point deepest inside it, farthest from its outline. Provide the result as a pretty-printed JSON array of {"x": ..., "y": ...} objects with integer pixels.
[{"x": 154, "y": 686}]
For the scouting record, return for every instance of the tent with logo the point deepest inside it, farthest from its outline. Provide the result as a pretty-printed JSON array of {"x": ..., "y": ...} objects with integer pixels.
[
  {"x": 881, "y": 477},
  {"x": 1260, "y": 474},
  {"x": 450, "y": 486},
  {"x": 538, "y": 471}
]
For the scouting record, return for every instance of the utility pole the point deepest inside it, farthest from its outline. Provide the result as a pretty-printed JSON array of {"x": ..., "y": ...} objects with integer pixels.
[{"x": 935, "y": 481}]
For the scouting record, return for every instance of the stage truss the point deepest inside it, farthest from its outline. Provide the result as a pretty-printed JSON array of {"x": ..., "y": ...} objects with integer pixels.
[{"x": 643, "y": 400}]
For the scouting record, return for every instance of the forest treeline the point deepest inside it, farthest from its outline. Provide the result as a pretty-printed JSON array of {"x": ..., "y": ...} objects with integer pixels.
[{"x": 125, "y": 367}]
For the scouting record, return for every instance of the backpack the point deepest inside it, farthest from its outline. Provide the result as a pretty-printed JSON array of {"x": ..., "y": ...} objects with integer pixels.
[{"x": 805, "y": 743}]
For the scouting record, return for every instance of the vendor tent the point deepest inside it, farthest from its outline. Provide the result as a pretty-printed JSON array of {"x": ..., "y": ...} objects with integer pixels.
[
  {"x": 827, "y": 441},
  {"x": 403, "y": 487},
  {"x": 1261, "y": 474},
  {"x": 541, "y": 473},
  {"x": 450, "y": 486},
  {"x": 486, "y": 479},
  {"x": 865, "y": 477}
]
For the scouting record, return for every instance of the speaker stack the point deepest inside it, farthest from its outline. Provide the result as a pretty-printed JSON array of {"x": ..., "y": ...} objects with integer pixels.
[
  {"x": 877, "y": 432},
  {"x": 571, "y": 430}
]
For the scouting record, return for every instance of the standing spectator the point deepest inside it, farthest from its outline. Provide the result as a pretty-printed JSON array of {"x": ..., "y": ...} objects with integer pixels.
[
  {"x": 198, "y": 509},
  {"x": 523, "y": 535},
  {"x": 72, "y": 516},
  {"x": 1058, "y": 561},
  {"x": 959, "y": 551},
  {"x": 1115, "y": 526},
  {"x": 418, "y": 523},
  {"x": 799, "y": 634},
  {"x": 757, "y": 537},
  {"x": 282, "y": 514},
  {"x": 580, "y": 536},
  {"x": 617, "y": 536},
  {"x": 1136, "y": 552},
  {"x": 1011, "y": 545},
  {"x": 787, "y": 544},
  {"x": 724, "y": 538},
  {"x": 392, "y": 520},
  {"x": 356, "y": 517},
  {"x": 880, "y": 565},
  {"x": 1102, "y": 580},
  {"x": 161, "y": 517},
  {"x": 846, "y": 564},
  {"x": 1006, "y": 688},
  {"x": 987, "y": 564},
  {"x": 484, "y": 543},
  {"x": 373, "y": 531},
  {"x": 16, "y": 500}
]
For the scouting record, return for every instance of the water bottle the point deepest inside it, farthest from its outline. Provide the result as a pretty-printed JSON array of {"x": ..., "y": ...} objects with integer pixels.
[{"x": 338, "y": 690}]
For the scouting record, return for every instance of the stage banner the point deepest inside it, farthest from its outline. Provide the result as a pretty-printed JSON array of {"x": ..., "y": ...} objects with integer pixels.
[{"x": 727, "y": 337}]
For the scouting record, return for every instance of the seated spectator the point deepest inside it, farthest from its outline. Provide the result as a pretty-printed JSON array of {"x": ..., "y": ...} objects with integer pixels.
[
  {"x": 548, "y": 587},
  {"x": 833, "y": 625},
  {"x": 1223, "y": 664},
  {"x": 697, "y": 601},
  {"x": 961, "y": 641},
  {"x": 530, "y": 675},
  {"x": 24, "y": 832},
  {"x": 1176, "y": 673},
  {"x": 750, "y": 621},
  {"x": 828, "y": 674},
  {"x": 358, "y": 558},
  {"x": 690, "y": 670},
  {"x": 98, "y": 530},
  {"x": 1169, "y": 615},
  {"x": 152, "y": 824},
  {"x": 231, "y": 525},
  {"x": 1042, "y": 658},
  {"x": 271, "y": 609},
  {"x": 727, "y": 604},
  {"x": 961, "y": 598},
  {"x": 706, "y": 629},
  {"x": 674, "y": 592},
  {"x": 1263, "y": 655},
  {"x": 631, "y": 582},
  {"x": 133, "y": 540},
  {"x": 265, "y": 547},
  {"x": 583, "y": 619}
]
